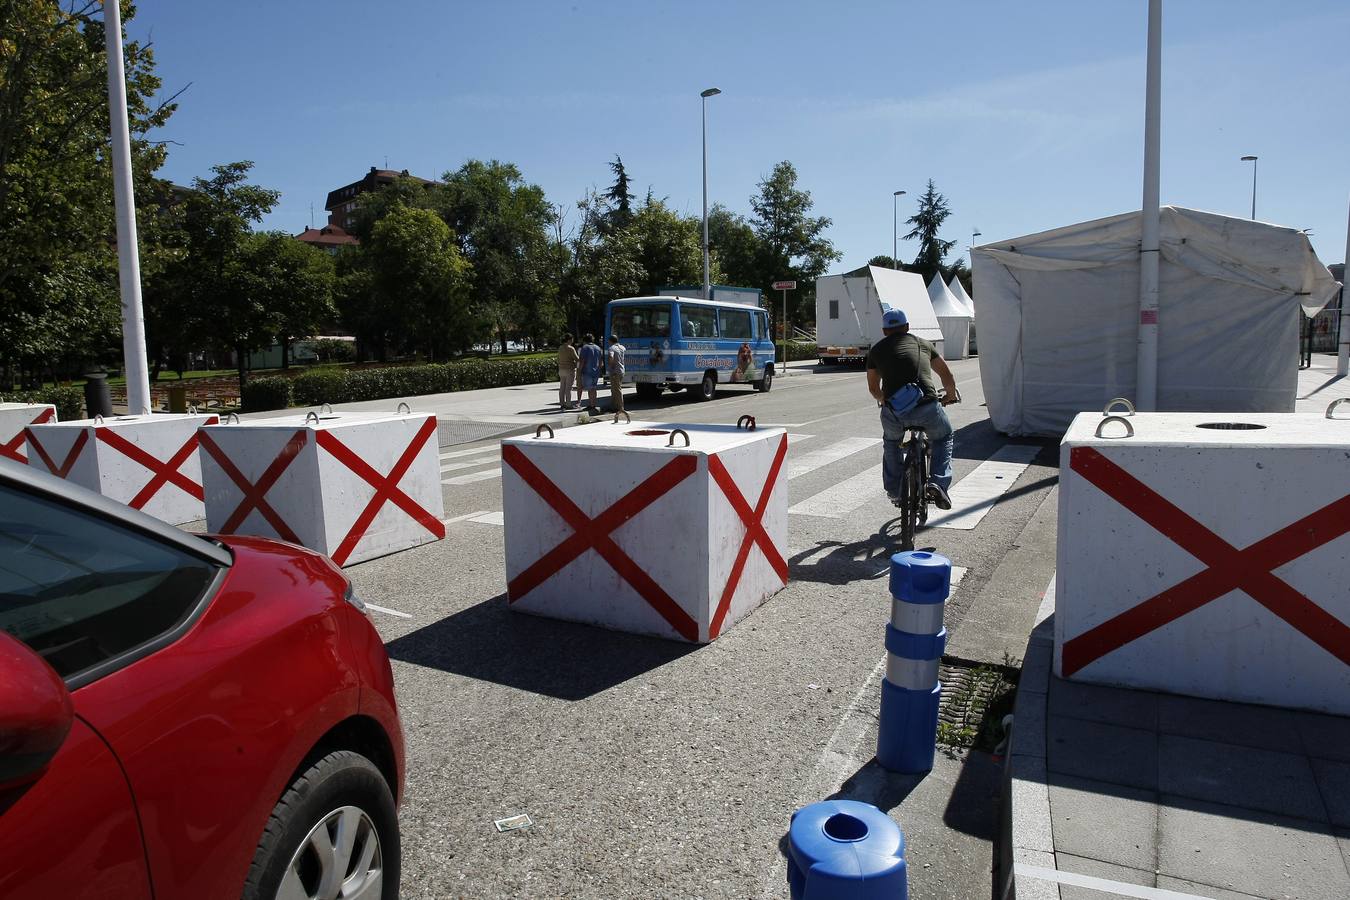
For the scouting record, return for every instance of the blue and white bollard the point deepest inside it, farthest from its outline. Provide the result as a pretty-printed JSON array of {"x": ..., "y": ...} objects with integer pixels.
[
  {"x": 915, "y": 640},
  {"x": 846, "y": 850}
]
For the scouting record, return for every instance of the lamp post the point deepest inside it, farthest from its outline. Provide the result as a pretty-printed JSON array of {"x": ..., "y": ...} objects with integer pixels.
[
  {"x": 895, "y": 229},
  {"x": 707, "y": 283},
  {"x": 1252, "y": 160},
  {"x": 974, "y": 233}
]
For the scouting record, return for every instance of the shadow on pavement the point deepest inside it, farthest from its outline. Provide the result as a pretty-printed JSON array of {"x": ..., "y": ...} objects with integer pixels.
[
  {"x": 544, "y": 656},
  {"x": 846, "y": 563}
]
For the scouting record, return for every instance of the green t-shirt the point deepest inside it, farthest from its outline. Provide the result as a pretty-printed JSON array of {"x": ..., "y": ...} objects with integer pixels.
[{"x": 903, "y": 359}]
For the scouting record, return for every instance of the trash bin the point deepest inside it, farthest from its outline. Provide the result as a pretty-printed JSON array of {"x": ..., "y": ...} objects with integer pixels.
[
  {"x": 97, "y": 400},
  {"x": 178, "y": 399}
]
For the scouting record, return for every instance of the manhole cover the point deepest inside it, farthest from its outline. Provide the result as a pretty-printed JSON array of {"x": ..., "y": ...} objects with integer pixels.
[
  {"x": 642, "y": 432},
  {"x": 974, "y": 701}
]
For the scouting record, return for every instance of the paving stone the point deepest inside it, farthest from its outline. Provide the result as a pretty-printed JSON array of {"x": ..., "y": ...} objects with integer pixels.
[
  {"x": 1333, "y": 778},
  {"x": 1343, "y": 838},
  {"x": 1036, "y": 667},
  {"x": 1239, "y": 776},
  {"x": 1028, "y": 888},
  {"x": 1099, "y": 703},
  {"x": 1097, "y": 869},
  {"x": 1257, "y": 853},
  {"x": 1325, "y": 737},
  {"x": 1180, "y": 885},
  {"x": 1115, "y": 824},
  {"x": 1230, "y": 723},
  {"x": 1030, "y": 805},
  {"x": 1028, "y": 736},
  {"x": 1102, "y": 752}
]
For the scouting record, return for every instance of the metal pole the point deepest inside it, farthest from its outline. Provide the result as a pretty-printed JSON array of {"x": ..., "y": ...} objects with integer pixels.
[
  {"x": 785, "y": 332},
  {"x": 1343, "y": 359},
  {"x": 895, "y": 230},
  {"x": 1146, "y": 369},
  {"x": 707, "y": 284},
  {"x": 128, "y": 254},
  {"x": 1253, "y": 190}
]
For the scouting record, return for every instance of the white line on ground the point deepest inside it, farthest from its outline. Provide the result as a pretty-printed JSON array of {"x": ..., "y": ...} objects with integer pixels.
[
  {"x": 472, "y": 515},
  {"x": 469, "y": 463},
  {"x": 825, "y": 455},
  {"x": 455, "y": 454},
  {"x": 473, "y": 477},
  {"x": 795, "y": 438},
  {"x": 1092, "y": 882},
  {"x": 973, "y": 496},
  {"x": 838, "y": 501},
  {"x": 491, "y": 518},
  {"x": 387, "y": 611}
]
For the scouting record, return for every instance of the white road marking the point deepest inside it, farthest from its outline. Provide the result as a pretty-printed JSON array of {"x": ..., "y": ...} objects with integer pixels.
[
  {"x": 976, "y": 494},
  {"x": 387, "y": 611},
  {"x": 472, "y": 515},
  {"x": 456, "y": 454},
  {"x": 795, "y": 438},
  {"x": 473, "y": 477},
  {"x": 469, "y": 463},
  {"x": 1106, "y": 885},
  {"x": 825, "y": 455},
  {"x": 846, "y": 496},
  {"x": 491, "y": 518}
]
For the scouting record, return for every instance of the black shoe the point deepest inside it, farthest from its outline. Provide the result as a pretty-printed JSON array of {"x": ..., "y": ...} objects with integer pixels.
[
  {"x": 895, "y": 499},
  {"x": 938, "y": 497}
]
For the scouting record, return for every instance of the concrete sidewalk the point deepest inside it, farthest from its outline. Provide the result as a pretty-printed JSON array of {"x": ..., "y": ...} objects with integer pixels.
[{"x": 1129, "y": 793}]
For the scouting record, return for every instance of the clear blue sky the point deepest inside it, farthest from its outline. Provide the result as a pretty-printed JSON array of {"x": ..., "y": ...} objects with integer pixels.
[{"x": 1026, "y": 115}]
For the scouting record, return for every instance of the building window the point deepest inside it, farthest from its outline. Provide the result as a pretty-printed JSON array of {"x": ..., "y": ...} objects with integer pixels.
[{"x": 834, "y": 309}]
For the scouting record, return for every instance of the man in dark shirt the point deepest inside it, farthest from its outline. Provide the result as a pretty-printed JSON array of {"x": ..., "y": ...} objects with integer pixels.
[{"x": 897, "y": 360}]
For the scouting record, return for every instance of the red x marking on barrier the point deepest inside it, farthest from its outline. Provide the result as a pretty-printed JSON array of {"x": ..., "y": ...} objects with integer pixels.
[
  {"x": 13, "y": 448},
  {"x": 1250, "y": 569},
  {"x": 255, "y": 494},
  {"x": 386, "y": 487},
  {"x": 754, "y": 529},
  {"x": 595, "y": 534},
  {"x": 165, "y": 472},
  {"x": 62, "y": 470}
]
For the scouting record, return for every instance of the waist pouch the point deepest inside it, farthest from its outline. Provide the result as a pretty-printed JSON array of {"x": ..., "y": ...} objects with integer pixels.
[{"x": 905, "y": 399}]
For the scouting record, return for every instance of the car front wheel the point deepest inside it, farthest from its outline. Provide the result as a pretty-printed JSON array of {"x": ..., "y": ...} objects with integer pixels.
[
  {"x": 707, "y": 388},
  {"x": 332, "y": 836}
]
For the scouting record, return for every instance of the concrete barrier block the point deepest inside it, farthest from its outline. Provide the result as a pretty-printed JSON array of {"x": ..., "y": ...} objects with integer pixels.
[
  {"x": 1207, "y": 554},
  {"x": 147, "y": 462},
  {"x": 622, "y": 525},
  {"x": 353, "y": 486},
  {"x": 14, "y": 418}
]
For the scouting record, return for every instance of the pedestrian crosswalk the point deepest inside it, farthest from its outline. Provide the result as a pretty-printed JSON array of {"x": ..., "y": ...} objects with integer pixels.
[{"x": 973, "y": 496}]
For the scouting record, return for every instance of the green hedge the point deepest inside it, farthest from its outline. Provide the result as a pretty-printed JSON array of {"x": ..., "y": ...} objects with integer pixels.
[
  {"x": 801, "y": 350},
  {"x": 69, "y": 401},
  {"x": 267, "y": 393},
  {"x": 350, "y": 385}
]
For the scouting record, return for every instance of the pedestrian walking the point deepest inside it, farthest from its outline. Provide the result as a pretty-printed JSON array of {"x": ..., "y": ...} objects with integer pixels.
[
  {"x": 588, "y": 371},
  {"x": 567, "y": 372},
  {"x": 900, "y": 370},
  {"x": 615, "y": 370}
]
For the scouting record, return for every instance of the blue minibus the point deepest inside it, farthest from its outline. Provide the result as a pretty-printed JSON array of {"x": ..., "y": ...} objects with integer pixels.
[{"x": 674, "y": 343}]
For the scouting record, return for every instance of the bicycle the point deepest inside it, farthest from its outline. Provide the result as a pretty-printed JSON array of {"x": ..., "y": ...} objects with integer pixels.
[{"x": 913, "y": 500}]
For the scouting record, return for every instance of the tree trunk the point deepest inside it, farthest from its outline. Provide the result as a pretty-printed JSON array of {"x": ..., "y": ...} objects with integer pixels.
[{"x": 285, "y": 354}]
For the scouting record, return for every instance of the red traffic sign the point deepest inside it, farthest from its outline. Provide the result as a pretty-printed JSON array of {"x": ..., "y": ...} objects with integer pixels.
[{"x": 785, "y": 285}]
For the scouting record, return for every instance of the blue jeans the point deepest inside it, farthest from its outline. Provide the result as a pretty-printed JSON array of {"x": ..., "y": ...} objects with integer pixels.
[{"x": 931, "y": 417}]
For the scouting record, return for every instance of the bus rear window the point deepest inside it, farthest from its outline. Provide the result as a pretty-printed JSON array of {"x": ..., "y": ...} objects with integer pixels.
[{"x": 646, "y": 321}]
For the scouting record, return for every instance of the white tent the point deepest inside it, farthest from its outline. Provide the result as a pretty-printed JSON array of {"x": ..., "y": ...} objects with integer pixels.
[
  {"x": 1059, "y": 315},
  {"x": 849, "y": 309},
  {"x": 953, "y": 319},
  {"x": 959, "y": 292}
]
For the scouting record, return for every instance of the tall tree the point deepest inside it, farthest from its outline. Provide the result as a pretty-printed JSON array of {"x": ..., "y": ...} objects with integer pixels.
[
  {"x": 295, "y": 281},
  {"x": 420, "y": 279},
  {"x": 734, "y": 247},
  {"x": 618, "y": 197},
  {"x": 667, "y": 245},
  {"x": 793, "y": 243},
  {"x": 927, "y": 222}
]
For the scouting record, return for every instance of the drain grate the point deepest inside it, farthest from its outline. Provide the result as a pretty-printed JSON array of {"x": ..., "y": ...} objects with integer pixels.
[{"x": 975, "y": 698}]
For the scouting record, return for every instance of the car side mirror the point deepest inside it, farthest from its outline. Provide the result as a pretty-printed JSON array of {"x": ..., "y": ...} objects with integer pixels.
[{"x": 35, "y": 713}]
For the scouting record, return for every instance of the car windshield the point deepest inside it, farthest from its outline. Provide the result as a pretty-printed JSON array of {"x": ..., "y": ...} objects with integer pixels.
[
  {"x": 649, "y": 320},
  {"x": 80, "y": 590}
]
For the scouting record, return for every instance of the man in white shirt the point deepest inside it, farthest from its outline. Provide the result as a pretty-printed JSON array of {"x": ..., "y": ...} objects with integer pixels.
[{"x": 615, "y": 372}]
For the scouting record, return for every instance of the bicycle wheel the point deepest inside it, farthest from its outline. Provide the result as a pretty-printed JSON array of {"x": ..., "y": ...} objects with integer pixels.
[
  {"x": 924, "y": 468},
  {"x": 911, "y": 495}
]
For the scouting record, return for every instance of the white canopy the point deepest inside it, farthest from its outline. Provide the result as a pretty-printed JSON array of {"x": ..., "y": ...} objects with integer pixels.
[
  {"x": 849, "y": 306},
  {"x": 959, "y": 292},
  {"x": 953, "y": 319},
  {"x": 1059, "y": 315}
]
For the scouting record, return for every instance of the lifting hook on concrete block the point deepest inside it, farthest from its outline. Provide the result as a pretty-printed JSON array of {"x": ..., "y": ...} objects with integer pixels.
[
  {"x": 1106, "y": 410},
  {"x": 98, "y": 419},
  {"x": 624, "y": 413},
  {"x": 192, "y": 409},
  {"x": 1335, "y": 403},
  {"x": 229, "y": 416},
  {"x": 746, "y": 422},
  {"x": 326, "y": 408},
  {"x": 311, "y": 416},
  {"x": 679, "y": 431},
  {"x": 540, "y": 430},
  {"x": 402, "y": 407},
  {"x": 1129, "y": 429}
]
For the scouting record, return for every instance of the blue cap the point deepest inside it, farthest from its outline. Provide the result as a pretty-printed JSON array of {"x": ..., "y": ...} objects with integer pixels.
[{"x": 894, "y": 318}]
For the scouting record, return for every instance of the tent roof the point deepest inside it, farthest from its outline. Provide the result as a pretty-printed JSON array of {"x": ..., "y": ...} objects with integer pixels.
[
  {"x": 904, "y": 290},
  {"x": 959, "y": 292},
  {"x": 1225, "y": 248},
  {"x": 945, "y": 305}
]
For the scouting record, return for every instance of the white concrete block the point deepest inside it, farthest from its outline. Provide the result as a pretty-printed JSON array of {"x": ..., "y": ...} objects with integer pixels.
[
  {"x": 607, "y": 524},
  {"x": 14, "y": 418},
  {"x": 1207, "y": 561},
  {"x": 147, "y": 462},
  {"x": 352, "y": 485}
]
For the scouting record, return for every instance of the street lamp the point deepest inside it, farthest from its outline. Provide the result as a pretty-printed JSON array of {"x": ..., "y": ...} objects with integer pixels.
[
  {"x": 895, "y": 229},
  {"x": 973, "y": 235},
  {"x": 1252, "y": 160},
  {"x": 707, "y": 284}
]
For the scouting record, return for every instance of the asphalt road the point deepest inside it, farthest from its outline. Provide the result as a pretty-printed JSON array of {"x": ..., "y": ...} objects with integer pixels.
[{"x": 657, "y": 769}]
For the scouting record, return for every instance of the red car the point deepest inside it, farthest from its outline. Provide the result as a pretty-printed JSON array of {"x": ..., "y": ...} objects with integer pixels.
[{"x": 185, "y": 717}]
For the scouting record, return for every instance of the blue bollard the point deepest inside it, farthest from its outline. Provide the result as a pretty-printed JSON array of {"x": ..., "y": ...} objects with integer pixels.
[
  {"x": 845, "y": 849},
  {"x": 915, "y": 640}
]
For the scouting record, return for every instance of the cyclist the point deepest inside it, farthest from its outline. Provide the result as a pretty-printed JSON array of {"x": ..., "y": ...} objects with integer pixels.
[{"x": 894, "y": 363}]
